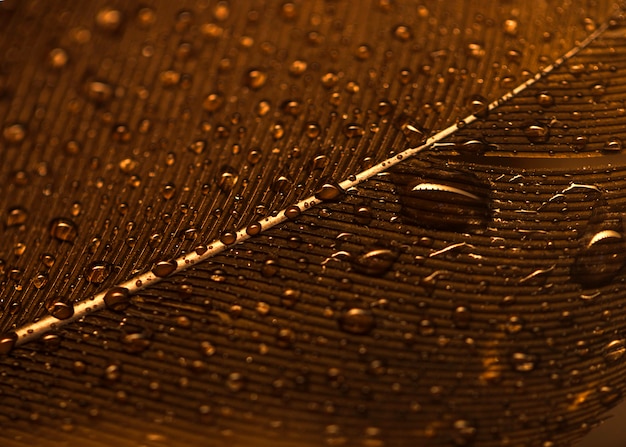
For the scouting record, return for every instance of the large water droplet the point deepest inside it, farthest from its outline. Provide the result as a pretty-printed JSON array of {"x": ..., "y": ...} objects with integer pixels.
[
  {"x": 7, "y": 342},
  {"x": 375, "y": 262},
  {"x": 117, "y": 298},
  {"x": 164, "y": 268},
  {"x": 603, "y": 251},
  {"x": 59, "y": 309},
  {"x": 443, "y": 199}
]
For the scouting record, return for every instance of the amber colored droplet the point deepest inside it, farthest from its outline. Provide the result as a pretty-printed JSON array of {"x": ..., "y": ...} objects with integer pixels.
[
  {"x": 63, "y": 229},
  {"x": 59, "y": 309},
  {"x": 255, "y": 79},
  {"x": 213, "y": 102},
  {"x": 16, "y": 216},
  {"x": 253, "y": 229},
  {"x": 14, "y": 133},
  {"x": 58, "y": 58},
  {"x": 99, "y": 92},
  {"x": 228, "y": 237},
  {"x": 357, "y": 321},
  {"x": 375, "y": 262},
  {"x": 7, "y": 342},
  {"x": 117, "y": 298},
  {"x": 98, "y": 272},
  {"x": 164, "y": 268},
  {"x": 329, "y": 192},
  {"x": 109, "y": 19},
  {"x": 292, "y": 212},
  {"x": 201, "y": 249}
]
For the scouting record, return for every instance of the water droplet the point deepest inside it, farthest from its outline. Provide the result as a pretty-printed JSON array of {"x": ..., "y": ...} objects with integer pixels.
[
  {"x": 213, "y": 102},
  {"x": 614, "y": 351},
  {"x": 613, "y": 144},
  {"x": 330, "y": 79},
  {"x": 235, "y": 382},
  {"x": 353, "y": 130},
  {"x": 58, "y": 58},
  {"x": 413, "y": 132},
  {"x": 609, "y": 396},
  {"x": 536, "y": 133},
  {"x": 227, "y": 178},
  {"x": 228, "y": 237},
  {"x": 117, "y": 298},
  {"x": 545, "y": 99},
  {"x": 255, "y": 78},
  {"x": 98, "y": 272},
  {"x": 443, "y": 199},
  {"x": 523, "y": 362},
  {"x": 14, "y": 133},
  {"x": 292, "y": 212},
  {"x": 164, "y": 268},
  {"x": 479, "y": 106},
  {"x": 464, "y": 432},
  {"x": 59, "y": 309},
  {"x": 198, "y": 146},
  {"x": 357, "y": 321},
  {"x": 109, "y": 19},
  {"x": 168, "y": 191},
  {"x": 290, "y": 297},
  {"x": 329, "y": 191},
  {"x": 63, "y": 229},
  {"x": 16, "y": 216},
  {"x": 7, "y": 342},
  {"x": 136, "y": 342},
  {"x": 375, "y": 262},
  {"x": 402, "y": 33},
  {"x": 99, "y": 92},
  {"x": 253, "y": 229},
  {"x": 510, "y": 27},
  {"x": 601, "y": 257}
]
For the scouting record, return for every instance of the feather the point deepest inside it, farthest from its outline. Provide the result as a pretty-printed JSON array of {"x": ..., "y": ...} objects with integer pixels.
[{"x": 462, "y": 291}]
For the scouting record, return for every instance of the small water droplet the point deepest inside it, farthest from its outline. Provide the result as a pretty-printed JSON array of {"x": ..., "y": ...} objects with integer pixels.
[
  {"x": 464, "y": 432},
  {"x": 536, "y": 133},
  {"x": 357, "y": 321},
  {"x": 99, "y": 92},
  {"x": 164, "y": 268},
  {"x": 212, "y": 102},
  {"x": 255, "y": 78},
  {"x": 14, "y": 133},
  {"x": 545, "y": 99},
  {"x": 227, "y": 178},
  {"x": 109, "y": 19},
  {"x": 16, "y": 216},
  {"x": 523, "y": 362},
  {"x": 63, "y": 229},
  {"x": 614, "y": 351},
  {"x": 402, "y": 33},
  {"x": 58, "y": 58}
]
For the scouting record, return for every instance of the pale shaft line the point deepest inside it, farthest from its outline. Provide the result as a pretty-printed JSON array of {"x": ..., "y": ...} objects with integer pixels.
[{"x": 96, "y": 302}]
